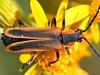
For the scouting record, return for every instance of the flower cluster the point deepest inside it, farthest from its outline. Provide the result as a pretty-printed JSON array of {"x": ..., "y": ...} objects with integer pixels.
[
  {"x": 74, "y": 18},
  {"x": 7, "y": 15}
]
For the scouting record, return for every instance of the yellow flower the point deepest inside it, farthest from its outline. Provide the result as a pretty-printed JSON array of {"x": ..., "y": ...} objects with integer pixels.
[
  {"x": 41, "y": 20},
  {"x": 94, "y": 28},
  {"x": 75, "y": 18},
  {"x": 7, "y": 15}
]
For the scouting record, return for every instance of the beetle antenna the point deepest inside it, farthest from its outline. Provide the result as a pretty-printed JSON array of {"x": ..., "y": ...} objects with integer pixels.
[
  {"x": 91, "y": 46},
  {"x": 92, "y": 19}
]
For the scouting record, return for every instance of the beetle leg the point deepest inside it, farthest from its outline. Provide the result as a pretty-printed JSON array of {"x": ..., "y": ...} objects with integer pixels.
[
  {"x": 29, "y": 62},
  {"x": 53, "y": 23},
  {"x": 21, "y": 70},
  {"x": 63, "y": 24},
  {"x": 68, "y": 51},
  {"x": 23, "y": 24},
  {"x": 31, "y": 59},
  {"x": 48, "y": 23},
  {"x": 57, "y": 55}
]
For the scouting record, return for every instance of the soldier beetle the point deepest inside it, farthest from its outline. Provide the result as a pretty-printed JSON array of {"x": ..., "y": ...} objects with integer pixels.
[{"x": 30, "y": 39}]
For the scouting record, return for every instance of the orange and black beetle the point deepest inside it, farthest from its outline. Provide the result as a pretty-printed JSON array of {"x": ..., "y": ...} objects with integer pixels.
[{"x": 30, "y": 39}]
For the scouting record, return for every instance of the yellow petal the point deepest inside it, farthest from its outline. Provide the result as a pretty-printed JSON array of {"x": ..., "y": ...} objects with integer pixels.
[
  {"x": 38, "y": 13},
  {"x": 84, "y": 23},
  {"x": 8, "y": 12},
  {"x": 31, "y": 17},
  {"x": 60, "y": 12},
  {"x": 3, "y": 22},
  {"x": 75, "y": 46},
  {"x": 34, "y": 70},
  {"x": 62, "y": 6},
  {"x": 76, "y": 14},
  {"x": 95, "y": 32},
  {"x": 24, "y": 57}
]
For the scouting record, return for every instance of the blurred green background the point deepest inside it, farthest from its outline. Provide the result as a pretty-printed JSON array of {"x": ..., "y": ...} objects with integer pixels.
[{"x": 9, "y": 62}]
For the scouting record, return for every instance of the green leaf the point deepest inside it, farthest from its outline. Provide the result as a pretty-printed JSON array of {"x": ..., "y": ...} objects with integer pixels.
[{"x": 45, "y": 73}]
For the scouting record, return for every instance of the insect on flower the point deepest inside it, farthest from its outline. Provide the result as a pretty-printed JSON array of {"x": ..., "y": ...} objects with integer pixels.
[{"x": 30, "y": 39}]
